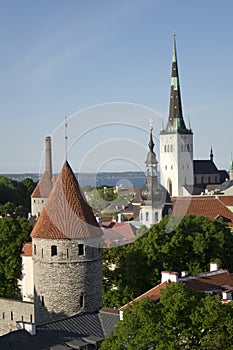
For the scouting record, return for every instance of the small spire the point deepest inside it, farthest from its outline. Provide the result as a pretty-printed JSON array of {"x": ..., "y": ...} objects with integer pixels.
[
  {"x": 151, "y": 142},
  {"x": 211, "y": 154}
]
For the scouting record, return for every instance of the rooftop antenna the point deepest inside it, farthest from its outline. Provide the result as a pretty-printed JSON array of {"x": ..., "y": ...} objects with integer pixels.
[{"x": 66, "y": 137}]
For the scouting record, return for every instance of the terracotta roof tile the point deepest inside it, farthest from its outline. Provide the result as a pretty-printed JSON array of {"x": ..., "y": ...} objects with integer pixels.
[
  {"x": 66, "y": 213},
  {"x": 215, "y": 282},
  {"x": 153, "y": 294},
  {"x": 43, "y": 188},
  {"x": 226, "y": 200},
  {"x": 118, "y": 233},
  {"x": 27, "y": 249},
  {"x": 208, "y": 206}
]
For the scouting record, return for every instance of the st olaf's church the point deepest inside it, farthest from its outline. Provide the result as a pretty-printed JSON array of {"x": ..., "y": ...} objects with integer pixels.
[{"x": 180, "y": 174}]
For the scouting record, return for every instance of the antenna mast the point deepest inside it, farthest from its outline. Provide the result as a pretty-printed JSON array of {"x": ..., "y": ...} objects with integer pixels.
[{"x": 66, "y": 137}]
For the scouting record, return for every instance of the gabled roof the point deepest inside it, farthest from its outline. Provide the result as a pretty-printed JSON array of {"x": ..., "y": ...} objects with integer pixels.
[
  {"x": 153, "y": 294},
  {"x": 66, "y": 213},
  {"x": 43, "y": 187},
  {"x": 211, "y": 281},
  {"x": 214, "y": 281},
  {"x": 226, "y": 200},
  {"x": 118, "y": 233},
  {"x": 204, "y": 167},
  {"x": 209, "y": 206}
]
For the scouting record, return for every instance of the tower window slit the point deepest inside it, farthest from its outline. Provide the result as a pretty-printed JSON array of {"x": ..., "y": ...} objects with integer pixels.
[
  {"x": 81, "y": 249},
  {"x": 53, "y": 250}
]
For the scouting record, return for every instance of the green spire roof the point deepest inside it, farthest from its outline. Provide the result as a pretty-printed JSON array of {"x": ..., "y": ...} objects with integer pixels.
[{"x": 175, "y": 121}]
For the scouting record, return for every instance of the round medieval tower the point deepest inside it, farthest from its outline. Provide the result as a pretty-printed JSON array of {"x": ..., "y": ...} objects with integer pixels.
[{"x": 67, "y": 254}]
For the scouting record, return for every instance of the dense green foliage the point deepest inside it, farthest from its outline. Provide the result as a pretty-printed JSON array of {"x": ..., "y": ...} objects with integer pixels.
[
  {"x": 16, "y": 193},
  {"x": 182, "y": 319},
  {"x": 191, "y": 246},
  {"x": 13, "y": 234}
]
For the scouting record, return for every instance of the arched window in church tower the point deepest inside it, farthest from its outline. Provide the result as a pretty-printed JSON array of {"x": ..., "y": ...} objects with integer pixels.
[
  {"x": 169, "y": 186},
  {"x": 188, "y": 147},
  {"x": 165, "y": 148},
  {"x": 147, "y": 216}
]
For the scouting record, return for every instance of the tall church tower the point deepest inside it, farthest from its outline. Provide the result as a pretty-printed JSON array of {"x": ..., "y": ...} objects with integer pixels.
[
  {"x": 66, "y": 253},
  {"x": 176, "y": 141}
]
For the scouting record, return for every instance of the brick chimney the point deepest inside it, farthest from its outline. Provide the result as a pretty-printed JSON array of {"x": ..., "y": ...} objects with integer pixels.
[{"x": 48, "y": 156}]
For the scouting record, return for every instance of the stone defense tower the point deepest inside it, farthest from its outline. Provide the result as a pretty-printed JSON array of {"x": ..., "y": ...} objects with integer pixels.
[
  {"x": 156, "y": 200},
  {"x": 44, "y": 186},
  {"x": 67, "y": 254},
  {"x": 176, "y": 142}
]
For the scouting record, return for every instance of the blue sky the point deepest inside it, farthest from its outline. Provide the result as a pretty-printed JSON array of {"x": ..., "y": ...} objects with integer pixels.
[{"x": 61, "y": 57}]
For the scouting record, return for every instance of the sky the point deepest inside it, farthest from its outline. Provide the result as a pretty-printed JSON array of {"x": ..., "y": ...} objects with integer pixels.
[{"x": 105, "y": 66}]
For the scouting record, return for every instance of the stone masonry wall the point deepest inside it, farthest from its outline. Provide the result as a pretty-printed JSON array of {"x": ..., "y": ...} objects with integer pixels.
[
  {"x": 65, "y": 283},
  {"x": 12, "y": 311}
]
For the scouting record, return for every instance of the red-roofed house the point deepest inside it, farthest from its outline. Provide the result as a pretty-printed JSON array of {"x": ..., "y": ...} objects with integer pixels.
[
  {"x": 211, "y": 207},
  {"x": 118, "y": 233},
  {"x": 216, "y": 281}
]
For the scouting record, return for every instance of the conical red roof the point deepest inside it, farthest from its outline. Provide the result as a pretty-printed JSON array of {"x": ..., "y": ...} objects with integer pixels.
[
  {"x": 43, "y": 188},
  {"x": 66, "y": 213}
]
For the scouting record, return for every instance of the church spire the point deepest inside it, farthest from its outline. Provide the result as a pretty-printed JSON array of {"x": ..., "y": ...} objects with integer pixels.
[
  {"x": 151, "y": 161},
  {"x": 151, "y": 142},
  {"x": 175, "y": 122},
  {"x": 211, "y": 154}
]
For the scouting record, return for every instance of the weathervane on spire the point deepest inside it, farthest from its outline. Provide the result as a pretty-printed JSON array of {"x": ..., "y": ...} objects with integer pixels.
[{"x": 151, "y": 123}]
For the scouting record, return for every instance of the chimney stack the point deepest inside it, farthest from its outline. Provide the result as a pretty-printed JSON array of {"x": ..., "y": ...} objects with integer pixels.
[
  {"x": 169, "y": 276},
  {"x": 48, "y": 156},
  {"x": 213, "y": 266}
]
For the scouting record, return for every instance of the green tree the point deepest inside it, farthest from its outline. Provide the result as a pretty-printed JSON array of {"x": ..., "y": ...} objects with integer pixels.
[
  {"x": 190, "y": 246},
  {"x": 182, "y": 320},
  {"x": 15, "y": 192},
  {"x": 13, "y": 234}
]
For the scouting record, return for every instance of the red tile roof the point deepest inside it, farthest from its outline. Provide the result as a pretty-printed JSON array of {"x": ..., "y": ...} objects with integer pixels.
[
  {"x": 66, "y": 213},
  {"x": 27, "y": 249},
  {"x": 43, "y": 188},
  {"x": 215, "y": 281},
  {"x": 118, "y": 233},
  {"x": 153, "y": 294},
  {"x": 226, "y": 200},
  {"x": 209, "y": 206}
]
